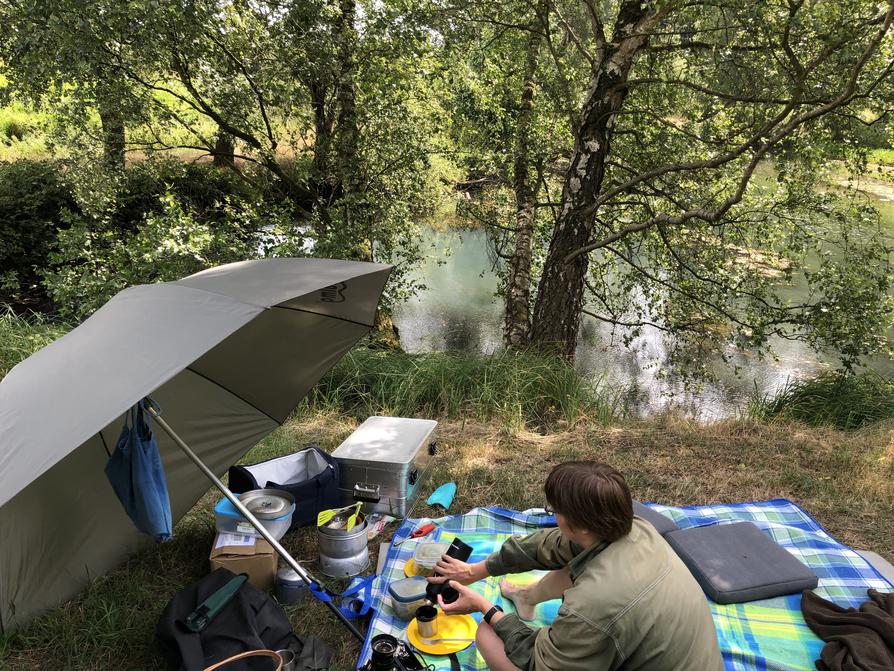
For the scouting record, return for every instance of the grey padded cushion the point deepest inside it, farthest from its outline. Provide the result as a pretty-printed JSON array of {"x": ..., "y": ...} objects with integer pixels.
[
  {"x": 739, "y": 562},
  {"x": 662, "y": 523}
]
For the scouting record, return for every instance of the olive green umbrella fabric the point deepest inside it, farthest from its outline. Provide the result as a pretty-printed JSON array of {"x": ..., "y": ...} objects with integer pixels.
[{"x": 227, "y": 353}]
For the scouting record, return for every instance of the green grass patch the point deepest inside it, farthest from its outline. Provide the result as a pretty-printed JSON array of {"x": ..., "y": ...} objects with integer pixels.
[
  {"x": 21, "y": 336},
  {"x": 839, "y": 399},
  {"x": 22, "y": 133},
  {"x": 881, "y": 156},
  {"x": 519, "y": 388}
]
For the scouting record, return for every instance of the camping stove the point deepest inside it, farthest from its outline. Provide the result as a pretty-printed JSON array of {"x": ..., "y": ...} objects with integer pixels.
[{"x": 343, "y": 553}]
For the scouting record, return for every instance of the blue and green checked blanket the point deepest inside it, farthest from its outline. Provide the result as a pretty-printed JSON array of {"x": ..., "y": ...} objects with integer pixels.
[{"x": 767, "y": 635}]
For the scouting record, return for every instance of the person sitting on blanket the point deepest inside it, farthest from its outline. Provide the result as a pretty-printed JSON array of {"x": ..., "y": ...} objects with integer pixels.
[{"x": 628, "y": 601}]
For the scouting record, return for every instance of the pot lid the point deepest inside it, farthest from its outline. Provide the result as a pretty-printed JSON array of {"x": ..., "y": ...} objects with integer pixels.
[{"x": 268, "y": 504}]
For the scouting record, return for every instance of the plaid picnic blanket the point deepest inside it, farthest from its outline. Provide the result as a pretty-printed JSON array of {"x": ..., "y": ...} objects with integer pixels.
[{"x": 766, "y": 635}]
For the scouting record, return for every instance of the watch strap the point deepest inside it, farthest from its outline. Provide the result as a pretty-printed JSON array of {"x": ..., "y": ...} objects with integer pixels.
[{"x": 489, "y": 614}]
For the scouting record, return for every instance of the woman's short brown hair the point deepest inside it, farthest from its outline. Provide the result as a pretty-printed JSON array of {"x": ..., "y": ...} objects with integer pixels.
[{"x": 591, "y": 496}]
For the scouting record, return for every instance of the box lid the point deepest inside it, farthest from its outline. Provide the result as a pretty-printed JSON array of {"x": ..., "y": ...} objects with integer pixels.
[
  {"x": 408, "y": 590},
  {"x": 428, "y": 553},
  {"x": 241, "y": 545},
  {"x": 392, "y": 440}
]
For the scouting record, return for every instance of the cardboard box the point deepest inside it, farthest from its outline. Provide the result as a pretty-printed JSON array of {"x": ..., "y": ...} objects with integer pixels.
[{"x": 240, "y": 553}]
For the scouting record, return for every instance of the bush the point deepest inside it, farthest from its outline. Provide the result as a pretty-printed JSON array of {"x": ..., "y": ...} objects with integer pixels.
[
  {"x": 162, "y": 220},
  {"x": 33, "y": 203},
  {"x": 95, "y": 261},
  {"x": 838, "y": 398},
  {"x": 200, "y": 188}
]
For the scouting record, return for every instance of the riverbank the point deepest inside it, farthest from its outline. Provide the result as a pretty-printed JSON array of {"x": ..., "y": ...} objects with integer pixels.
[{"x": 844, "y": 479}]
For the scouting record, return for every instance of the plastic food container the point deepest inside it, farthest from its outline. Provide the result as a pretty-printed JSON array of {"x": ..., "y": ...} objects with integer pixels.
[
  {"x": 273, "y": 509},
  {"x": 426, "y": 555},
  {"x": 406, "y": 596}
]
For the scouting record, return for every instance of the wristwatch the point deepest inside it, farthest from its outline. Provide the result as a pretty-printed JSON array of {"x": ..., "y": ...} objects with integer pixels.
[{"x": 489, "y": 614}]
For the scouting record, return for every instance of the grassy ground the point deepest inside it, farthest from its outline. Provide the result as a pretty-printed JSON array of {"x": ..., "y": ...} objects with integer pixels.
[{"x": 845, "y": 479}]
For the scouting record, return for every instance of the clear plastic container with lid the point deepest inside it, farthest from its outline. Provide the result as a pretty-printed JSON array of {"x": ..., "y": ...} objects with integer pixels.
[
  {"x": 273, "y": 509},
  {"x": 406, "y": 596},
  {"x": 426, "y": 555}
]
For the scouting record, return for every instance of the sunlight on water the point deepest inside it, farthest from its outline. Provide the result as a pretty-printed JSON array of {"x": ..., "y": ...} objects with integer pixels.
[{"x": 460, "y": 311}]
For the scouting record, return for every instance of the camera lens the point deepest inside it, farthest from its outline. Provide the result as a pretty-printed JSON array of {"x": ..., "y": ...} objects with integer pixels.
[{"x": 383, "y": 648}]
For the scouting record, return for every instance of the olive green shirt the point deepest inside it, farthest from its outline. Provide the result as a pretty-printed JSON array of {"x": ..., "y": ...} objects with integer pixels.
[{"x": 633, "y": 605}]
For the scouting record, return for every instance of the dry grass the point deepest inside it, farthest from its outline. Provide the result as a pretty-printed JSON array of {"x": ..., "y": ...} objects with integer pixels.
[{"x": 845, "y": 479}]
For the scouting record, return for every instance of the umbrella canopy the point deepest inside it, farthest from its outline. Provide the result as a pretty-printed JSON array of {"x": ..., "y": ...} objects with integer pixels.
[{"x": 227, "y": 353}]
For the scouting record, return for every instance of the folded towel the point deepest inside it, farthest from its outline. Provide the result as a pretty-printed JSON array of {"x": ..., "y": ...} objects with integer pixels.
[{"x": 857, "y": 639}]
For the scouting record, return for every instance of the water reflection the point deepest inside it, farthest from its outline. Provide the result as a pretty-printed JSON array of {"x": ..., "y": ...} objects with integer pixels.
[{"x": 460, "y": 311}]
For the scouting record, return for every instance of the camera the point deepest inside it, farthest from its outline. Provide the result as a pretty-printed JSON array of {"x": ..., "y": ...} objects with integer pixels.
[
  {"x": 390, "y": 654},
  {"x": 457, "y": 550}
]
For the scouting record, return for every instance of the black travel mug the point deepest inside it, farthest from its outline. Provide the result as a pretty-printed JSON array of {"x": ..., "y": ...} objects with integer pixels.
[{"x": 457, "y": 550}]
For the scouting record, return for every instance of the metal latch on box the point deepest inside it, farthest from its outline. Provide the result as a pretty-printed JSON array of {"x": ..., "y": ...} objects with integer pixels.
[{"x": 367, "y": 493}]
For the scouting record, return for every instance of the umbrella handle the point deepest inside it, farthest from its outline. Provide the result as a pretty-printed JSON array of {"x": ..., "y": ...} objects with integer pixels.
[
  {"x": 151, "y": 406},
  {"x": 251, "y": 653}
]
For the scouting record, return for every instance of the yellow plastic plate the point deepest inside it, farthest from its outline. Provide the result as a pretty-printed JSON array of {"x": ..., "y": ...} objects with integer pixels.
[
  {"x": 449, "y": 626},
  {"x": 412, "y": 571}
]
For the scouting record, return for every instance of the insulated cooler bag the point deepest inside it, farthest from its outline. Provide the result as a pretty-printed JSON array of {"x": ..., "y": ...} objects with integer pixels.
[
  {"x": 311, "y": 476},
  {"x": 385, "y": 462}
]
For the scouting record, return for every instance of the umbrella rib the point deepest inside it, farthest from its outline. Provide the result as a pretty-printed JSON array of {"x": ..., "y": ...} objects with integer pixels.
[
  {"x": 233, "y": 393},
  {"x": 320, "y": 314}
]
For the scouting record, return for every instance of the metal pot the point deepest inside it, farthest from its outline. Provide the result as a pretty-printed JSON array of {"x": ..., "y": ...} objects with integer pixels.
[{"x": 343, "y": 553}]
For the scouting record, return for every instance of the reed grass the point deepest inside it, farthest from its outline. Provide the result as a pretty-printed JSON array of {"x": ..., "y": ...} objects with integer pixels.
[
  {"x": 836, "y": 398},
  {"x": 519, "y": 388},
  {"x": 21, "y": 336}
]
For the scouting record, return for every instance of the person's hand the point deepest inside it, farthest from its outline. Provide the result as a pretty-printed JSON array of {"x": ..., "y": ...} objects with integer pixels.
[
  {"x": 454, "y": 569},
  {"x": 469, "y": 601}
]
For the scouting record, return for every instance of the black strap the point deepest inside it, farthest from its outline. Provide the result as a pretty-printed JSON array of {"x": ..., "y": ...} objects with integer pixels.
[{"x": 454, "y": 662}]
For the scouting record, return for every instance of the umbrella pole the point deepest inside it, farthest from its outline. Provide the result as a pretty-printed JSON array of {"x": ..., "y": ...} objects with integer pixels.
[{"x": 280, "y": 550}]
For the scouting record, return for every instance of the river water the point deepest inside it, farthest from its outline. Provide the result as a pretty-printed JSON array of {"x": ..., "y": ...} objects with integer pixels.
[{"x": 459, "y": 310}]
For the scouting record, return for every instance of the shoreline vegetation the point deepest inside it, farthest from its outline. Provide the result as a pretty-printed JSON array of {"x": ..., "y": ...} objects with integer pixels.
[{"x": 504, "y": 420}]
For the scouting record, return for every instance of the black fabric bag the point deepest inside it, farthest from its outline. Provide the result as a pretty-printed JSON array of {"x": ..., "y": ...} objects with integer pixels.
[
  {"x": 250, "y": 620},
  {"x": 311, "y": 476}
]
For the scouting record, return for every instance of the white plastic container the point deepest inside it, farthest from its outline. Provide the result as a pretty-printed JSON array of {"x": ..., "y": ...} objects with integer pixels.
[
  {"x": 407, "y": 596},
  {"x": 228, "y": 520},
  {"x": 426, "y": 555}
]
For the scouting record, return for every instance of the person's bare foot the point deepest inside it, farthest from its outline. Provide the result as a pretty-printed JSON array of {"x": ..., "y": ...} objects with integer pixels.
[{"x": 519, "y": 596}]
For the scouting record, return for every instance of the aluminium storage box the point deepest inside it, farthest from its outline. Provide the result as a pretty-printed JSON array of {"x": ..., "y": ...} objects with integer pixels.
[{"x": 385, "y": 462}]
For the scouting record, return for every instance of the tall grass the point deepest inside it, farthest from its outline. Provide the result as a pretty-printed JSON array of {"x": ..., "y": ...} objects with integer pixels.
[
  {"x": 517, "y": 388},
  {"x": 21, "y": 336},
  {"x": 836, "y": 398}
]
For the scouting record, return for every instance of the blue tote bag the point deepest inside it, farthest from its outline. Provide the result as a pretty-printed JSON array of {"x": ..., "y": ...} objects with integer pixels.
[{"x": 137, "y": 476}]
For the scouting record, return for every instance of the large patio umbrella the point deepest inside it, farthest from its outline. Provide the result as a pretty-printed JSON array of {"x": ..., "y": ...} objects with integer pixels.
[{"x": 227, "y": 354}]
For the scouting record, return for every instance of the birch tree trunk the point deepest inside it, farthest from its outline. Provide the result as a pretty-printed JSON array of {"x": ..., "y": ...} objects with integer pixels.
[
  {"x": 560, "y": 295},
  {"x": 516, "y": 331}
]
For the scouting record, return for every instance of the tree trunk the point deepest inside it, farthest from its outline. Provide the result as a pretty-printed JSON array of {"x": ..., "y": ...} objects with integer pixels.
[
  {"x": 112, "y": 136},
  {"x": 516, "y": 331},
  {"x": 347, "y": 105},
  {"x": 560, "y": 295},
  {"x": 322, "y": 138},
  {"x": 224, "y": 150}
]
